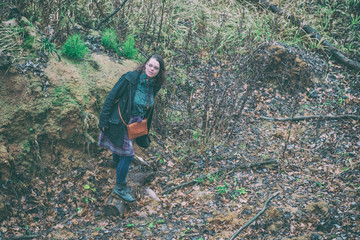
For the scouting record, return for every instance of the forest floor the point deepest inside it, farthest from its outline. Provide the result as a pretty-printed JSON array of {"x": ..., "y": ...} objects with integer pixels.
[{"x": 316, "y": 177}]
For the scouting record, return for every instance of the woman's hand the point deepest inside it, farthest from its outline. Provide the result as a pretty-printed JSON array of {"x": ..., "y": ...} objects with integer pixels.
[{"x": 136, "y": 119}]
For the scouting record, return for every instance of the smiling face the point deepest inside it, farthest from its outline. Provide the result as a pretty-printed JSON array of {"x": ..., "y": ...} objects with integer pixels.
[{"x": 152, "y": 68}]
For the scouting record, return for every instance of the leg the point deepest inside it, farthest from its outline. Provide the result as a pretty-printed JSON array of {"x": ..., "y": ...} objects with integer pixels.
[
  {"x": 114, "y": 161},
  {"x": 123, "y": 168},
  {"x": 121, "y": 189}
]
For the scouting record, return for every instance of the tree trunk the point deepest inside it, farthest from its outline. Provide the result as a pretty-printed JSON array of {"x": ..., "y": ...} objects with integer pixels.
[{"x": 114, "y": 206}]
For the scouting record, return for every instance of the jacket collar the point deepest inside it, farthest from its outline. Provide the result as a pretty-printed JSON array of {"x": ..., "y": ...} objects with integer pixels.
[{"x": 133, "y": 77}]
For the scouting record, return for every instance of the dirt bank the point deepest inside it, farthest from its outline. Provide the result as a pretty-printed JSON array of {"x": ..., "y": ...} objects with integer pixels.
[{"x": 58, "y": 125}]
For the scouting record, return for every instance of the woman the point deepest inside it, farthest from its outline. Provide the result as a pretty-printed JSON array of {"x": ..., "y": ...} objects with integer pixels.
[{"x": 134, "y": 95}]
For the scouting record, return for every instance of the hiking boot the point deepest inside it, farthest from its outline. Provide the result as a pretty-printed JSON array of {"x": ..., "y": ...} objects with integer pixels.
[{"x": 122, "y": 190}]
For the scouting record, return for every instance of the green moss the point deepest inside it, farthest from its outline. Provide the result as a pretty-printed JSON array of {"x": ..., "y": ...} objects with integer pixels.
[{"x": 63, "y": 96}]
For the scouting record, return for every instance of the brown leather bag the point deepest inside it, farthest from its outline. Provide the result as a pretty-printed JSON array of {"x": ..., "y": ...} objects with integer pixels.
[{"x": 136, "y": 129}]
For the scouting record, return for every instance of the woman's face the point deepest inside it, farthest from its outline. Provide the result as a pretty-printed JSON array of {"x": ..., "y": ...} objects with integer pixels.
[{"x": 152, "y": 68}]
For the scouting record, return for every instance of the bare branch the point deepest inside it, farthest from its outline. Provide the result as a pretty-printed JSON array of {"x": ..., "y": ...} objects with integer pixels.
[
  {"x": 112, "y": 14},
  {"x": 256, "y": 216}
]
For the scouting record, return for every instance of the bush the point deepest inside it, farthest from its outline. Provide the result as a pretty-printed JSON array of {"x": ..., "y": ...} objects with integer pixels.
[
  {"x": 75, "y": 47},
  {"x": 129, "y": 50},
  {"x": 109, "y": 40}
]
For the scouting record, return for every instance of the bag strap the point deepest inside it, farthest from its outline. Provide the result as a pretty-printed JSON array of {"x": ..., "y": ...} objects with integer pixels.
[{"x": 122, "y": 117}]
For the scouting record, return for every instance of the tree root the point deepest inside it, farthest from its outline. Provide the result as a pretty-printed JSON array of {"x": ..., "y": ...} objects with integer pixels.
[{"x": 256, "y": 216}]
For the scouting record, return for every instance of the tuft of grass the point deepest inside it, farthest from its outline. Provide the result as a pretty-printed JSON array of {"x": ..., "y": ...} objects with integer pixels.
[
  {"x": 129, "y": 50},
  {"x": 75, "y": 47},
  {"x": 109, "y": 40}
]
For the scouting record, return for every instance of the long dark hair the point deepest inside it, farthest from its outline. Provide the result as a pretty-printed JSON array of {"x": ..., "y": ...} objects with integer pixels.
[{"x": 161, "y": 76}]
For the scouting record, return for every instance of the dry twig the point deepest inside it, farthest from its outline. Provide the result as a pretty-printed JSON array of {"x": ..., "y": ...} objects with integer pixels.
[{"x": 256, "y": 216}]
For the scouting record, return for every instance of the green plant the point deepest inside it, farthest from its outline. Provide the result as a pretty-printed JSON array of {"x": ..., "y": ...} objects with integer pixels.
[
  {"x": 355, "y": 21},
  {"x": 75, "y": 47},
  {"x": 47, "y": 45},
  {"x": 130, "y": 225},
  {"x": 242, "y": 190},
  {"x": 222, "y": 189},
  {"x": 109, "y": 40},
  {"x": 213, "y": 178},
  {"x": 87, "y": 187},
  {"x": 199, "y": 180},
  {"x": 195, "y": 135},
  {"x": 161, "y": 221},
  {"x": 129, "y": 50},
  {"x": 91, "y": 199},
  {"x": 29, "y": 41},
  {"x": 26, "y": 146}
]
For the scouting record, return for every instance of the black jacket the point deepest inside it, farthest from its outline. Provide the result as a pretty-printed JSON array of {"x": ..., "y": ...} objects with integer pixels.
[{"x": 122, "y": 95}]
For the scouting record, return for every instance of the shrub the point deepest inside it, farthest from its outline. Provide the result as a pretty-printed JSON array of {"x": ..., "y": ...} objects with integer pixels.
[
  {"x": 75, "y": 47},
  {"x": 129, "y": 50},
  {"x": 109, "y": 40}
]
